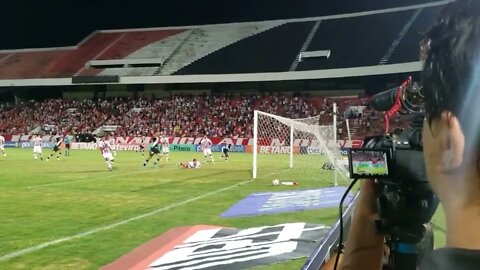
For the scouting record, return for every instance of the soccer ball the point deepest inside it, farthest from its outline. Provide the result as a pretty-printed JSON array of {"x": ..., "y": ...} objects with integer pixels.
[{"x": 275, "y": 182}]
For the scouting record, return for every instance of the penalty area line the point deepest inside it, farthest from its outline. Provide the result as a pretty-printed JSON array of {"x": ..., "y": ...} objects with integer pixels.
[{"x": 41, "y": 246}]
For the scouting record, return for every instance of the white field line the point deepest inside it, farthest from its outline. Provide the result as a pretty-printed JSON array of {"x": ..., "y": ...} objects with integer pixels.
[{"x": 31, "y": 249}]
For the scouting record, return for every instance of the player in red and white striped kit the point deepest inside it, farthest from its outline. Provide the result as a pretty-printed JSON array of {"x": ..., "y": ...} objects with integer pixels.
[
  {"x": 111, "y": 140},
  {"x": 165, "y": 146},
  {"x": 206, "y": 146},
  {"x": 37, "y": 147},
  {"x": 2, "y": 145},
  {"x": 106, "y": 150}
]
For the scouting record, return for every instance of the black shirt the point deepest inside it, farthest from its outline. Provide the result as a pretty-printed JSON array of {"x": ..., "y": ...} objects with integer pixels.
[{"x": 451, "y": 258}]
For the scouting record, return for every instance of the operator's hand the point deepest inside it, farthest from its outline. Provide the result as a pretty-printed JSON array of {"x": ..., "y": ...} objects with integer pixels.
[
  {"x": 367, "y": 202},
  {"x": 364, "y": 248}
]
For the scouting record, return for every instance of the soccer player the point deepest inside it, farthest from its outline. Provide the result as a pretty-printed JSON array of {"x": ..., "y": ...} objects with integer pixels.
[
  {"x": 37, "y": 147},
  {"x": 225, "y": 151},
  {"x": 154, "y": 151},
  {"x": 68, "y": 140},
  {"x": 2, "y": 145},
  {"x": 194, "y": 164},
  {"x": 106, "y": 150},
  {"x": 206, "y": 145},
  {"x": 56, "y": 149},
  {"x": 143, "y": 146},
  {"x": 112, "y": 144},
  {"x": 165, "y": 146}
]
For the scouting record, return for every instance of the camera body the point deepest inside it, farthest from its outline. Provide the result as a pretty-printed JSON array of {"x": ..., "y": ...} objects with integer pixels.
[{"x": 405, "y": 200}]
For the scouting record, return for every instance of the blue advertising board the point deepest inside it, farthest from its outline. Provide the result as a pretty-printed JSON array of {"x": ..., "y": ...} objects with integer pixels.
[
  {"x": 44, "y": 145},
  {"x": 218, "y": 148},
  {"x": 10, "y": 144},
  {"x": 265, "y": 203}
]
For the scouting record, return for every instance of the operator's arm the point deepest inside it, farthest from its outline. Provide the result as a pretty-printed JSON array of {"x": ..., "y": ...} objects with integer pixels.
[{"x": 364, "y": 248}]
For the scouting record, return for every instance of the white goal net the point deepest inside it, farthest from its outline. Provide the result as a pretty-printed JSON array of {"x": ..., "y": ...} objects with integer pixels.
[{"x": 296, "y": 150}]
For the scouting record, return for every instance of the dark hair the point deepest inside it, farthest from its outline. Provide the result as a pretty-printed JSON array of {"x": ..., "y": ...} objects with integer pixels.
[
  {"x": 452, "y": 61},
  {"x": 453, "y": 47}
]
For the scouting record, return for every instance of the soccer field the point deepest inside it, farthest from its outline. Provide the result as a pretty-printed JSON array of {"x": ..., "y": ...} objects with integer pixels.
[{"x": 74, "y": 214}]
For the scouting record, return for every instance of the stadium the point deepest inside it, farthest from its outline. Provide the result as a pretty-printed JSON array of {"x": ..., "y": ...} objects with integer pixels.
[{"x": 206, "y": 146}]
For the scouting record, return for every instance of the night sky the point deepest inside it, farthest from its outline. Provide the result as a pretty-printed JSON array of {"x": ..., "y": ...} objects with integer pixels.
[{"x": 52, "y": 23}]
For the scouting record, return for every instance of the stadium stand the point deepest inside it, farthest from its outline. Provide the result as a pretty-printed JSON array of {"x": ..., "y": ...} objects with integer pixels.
[
  {"x": 352, "y": 41},
  {"x": 179, "y": 115},
  {"x": 270, "y": 51},
  {"x": 75, "y": 60},
  {"x": 29, "y": 64},
  {"x": 407, "y": 50}
]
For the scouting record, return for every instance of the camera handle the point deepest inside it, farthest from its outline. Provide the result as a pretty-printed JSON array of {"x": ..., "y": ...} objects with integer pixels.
[
  {"x": 407, "y": 255},
  {"x": 402, "y": 256}
]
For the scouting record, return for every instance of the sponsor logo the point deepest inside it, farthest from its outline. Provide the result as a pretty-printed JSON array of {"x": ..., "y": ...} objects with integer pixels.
[
  {"x": 215, "y": 140},
  {"x": 330, "y": 166},
  {"x": 287, "y": 201},
  {"x": 218, "y": 148},
  {"x": 182, "y": 148},
  {"x": 11, "y": 144},
  {"x": 127, "y": 147},
  {"x": 239, "y": 249},
  {"x": 208, "y": 248},
  {"x": 44, "y": 145},
  {"x": 277, "y": 150},
  {"x": 84, "y": 146}
]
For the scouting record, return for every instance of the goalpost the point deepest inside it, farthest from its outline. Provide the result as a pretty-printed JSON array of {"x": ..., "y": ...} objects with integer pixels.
[{"x": 296, "y": 149}]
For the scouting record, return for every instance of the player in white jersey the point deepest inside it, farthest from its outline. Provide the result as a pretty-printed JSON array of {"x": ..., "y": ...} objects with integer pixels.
[
  {"x": 37, "y": 147},
  {"x": 2, "y": 145},
  {"x": 112, "y": 145},
  {"x": 56, "y": 149},
  {"x": 206, "y": 146},
  {"x": 165, "y": 147},
  {"x": 194, "y": 164},
  {"x": 106, "y": 150}
]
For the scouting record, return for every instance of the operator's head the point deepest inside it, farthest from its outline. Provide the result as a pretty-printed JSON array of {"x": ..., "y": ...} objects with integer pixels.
[{"x": 451, "y": 81}]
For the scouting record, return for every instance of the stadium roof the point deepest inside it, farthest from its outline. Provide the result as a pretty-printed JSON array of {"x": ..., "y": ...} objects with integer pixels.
[
  {"x": 55, "y": 23},
  {"x": 381, "y": 41}
]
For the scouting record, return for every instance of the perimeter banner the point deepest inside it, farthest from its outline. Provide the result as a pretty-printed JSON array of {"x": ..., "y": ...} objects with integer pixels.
[{"x": 218, "y": 248}]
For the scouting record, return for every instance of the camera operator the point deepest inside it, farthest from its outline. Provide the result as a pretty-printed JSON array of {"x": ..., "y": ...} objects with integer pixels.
[{"x": 451, "y": 136}]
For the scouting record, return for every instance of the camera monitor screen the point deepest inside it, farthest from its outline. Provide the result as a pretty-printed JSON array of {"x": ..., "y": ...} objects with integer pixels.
[{"x": 368, "y": 163}]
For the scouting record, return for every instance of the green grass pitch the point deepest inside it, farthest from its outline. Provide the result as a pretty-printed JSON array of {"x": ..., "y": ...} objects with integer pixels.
[{"x": 45, "y": 201}]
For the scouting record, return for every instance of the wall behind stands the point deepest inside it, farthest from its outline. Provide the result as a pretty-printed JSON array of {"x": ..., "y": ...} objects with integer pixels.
[{"x": 77, "y": 95}]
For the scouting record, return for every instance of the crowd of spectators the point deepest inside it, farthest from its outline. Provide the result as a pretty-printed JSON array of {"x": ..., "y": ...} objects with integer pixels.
[{"x": 173, "y": 116}]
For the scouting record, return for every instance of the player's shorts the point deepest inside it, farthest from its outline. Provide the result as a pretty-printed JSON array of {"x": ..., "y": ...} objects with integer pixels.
[
  {"x": 142, "y": 146},
  {"x": 2, "y": 147},
  {"x": 37, "y": 149},
  {"x": 67, "y": 146},
  {"x": 154, "y": 150},
  {"x": 56, "y": 148},
  {"x": 165, "y": 150},
  {"x": 225, "y": 152},
  {"x": 207, "y": 151},
  {"x": 108, "y": 156}
]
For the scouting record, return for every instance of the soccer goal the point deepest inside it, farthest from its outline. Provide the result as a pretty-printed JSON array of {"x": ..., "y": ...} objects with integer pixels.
[{"x": 297, "y": 149}]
